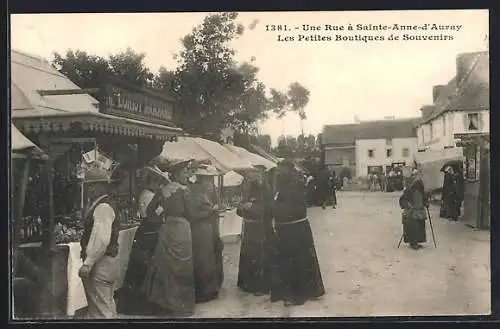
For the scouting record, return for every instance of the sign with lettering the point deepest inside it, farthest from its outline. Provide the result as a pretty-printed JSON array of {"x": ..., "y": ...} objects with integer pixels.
[{"x": 125, "y": 100}]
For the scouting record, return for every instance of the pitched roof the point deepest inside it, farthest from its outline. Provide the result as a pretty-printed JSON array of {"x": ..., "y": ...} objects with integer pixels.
[
  {"x": 472, "y": 92},
  {"x": 29, "y": 74},
  {"x": 379, "y": 129}
]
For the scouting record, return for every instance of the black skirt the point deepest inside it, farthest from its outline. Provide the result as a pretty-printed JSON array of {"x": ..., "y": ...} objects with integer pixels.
[
  {"x": 298, "y": 275},
  {"x": 129, "y": 298},
  {"x": 256, "y": 257}
]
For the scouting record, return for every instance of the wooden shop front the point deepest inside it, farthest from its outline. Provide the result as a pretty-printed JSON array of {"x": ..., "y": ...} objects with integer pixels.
[
  {"x": 476, "y": 149},
  {"x": 128, "y": 124}
]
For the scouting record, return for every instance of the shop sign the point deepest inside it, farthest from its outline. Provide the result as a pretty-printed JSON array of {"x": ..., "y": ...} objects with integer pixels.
[{"x": 132, "y": 102}]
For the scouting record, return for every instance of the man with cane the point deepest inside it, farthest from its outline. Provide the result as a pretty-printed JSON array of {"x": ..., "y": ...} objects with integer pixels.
[{"x": 414, "y": 203}]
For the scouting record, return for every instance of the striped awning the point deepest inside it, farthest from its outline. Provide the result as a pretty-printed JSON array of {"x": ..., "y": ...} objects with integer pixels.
[{"x": 97, "y": 122}]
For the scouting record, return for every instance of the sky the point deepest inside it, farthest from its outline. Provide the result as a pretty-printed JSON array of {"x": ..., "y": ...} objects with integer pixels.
[{"x": 346, "y": 79}]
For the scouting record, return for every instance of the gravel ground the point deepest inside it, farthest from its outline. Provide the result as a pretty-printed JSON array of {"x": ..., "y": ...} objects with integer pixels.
[{"x": 366, "y": 275}]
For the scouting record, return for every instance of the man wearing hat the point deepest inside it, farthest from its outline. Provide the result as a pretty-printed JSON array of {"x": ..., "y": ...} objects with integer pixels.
[{"x": 100, "y": 269}]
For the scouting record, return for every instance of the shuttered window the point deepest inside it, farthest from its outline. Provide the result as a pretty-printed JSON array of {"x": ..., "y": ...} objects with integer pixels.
[{"x": 472, "y": 122}]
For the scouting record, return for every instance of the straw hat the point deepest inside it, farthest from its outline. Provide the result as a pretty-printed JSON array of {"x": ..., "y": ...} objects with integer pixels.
[
  {"x": 178, "y": 164},
  {"x": 157, "y": 171},
  {"x": 206, "y": 170}
]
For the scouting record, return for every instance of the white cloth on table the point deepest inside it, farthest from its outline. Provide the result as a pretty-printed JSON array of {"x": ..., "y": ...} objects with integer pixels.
[{"x": 76, "y": 294}]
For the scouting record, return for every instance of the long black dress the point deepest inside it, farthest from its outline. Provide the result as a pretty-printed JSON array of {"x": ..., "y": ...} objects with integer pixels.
[
  {"x": 412, "y": 201},
  {"x": 451, "y": 198},
  {"x": 298, "y": 272},
  {"x": 130, "y": 298},
  {"x": 256, "y": 251}
]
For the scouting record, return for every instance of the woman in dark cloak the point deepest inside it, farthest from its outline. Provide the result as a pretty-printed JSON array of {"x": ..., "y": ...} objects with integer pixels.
[
  {"x": 130, "y": 298},
  {"x": 413, "y": 203},
  {"x": 451, "y": 196},
  {"x": 298, "y": 272},
  {"x": 255, "y": 272}
]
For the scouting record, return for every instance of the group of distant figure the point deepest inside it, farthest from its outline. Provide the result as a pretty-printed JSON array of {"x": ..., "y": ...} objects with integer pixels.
[
  {"x": 321, "y": 186},
  {"x": 393, "y": 181}
]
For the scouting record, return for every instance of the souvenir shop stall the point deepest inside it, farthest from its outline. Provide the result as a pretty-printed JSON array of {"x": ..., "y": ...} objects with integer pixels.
[
  {"x": 431, "y": 163},
  {"x": 476, "y": 149},
  {"x": 125, "y": 126},
  {"x": 25, "y": 158}
]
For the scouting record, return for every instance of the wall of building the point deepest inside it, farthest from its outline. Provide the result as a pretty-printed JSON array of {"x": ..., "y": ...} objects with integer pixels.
[
  {"x": 336, "y": 158},
  {"x": 380, "y": 158},
  {"x": 438, "y": 133}
]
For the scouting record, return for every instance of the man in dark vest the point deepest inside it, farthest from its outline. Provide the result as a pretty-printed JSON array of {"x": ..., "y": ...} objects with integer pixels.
[{"x": 100, "y": 269}]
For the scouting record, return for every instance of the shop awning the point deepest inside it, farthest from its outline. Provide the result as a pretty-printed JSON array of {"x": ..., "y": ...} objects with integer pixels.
[
  {"x": 226, "y": 159},
  {"x": 430, "y": 163},
  {"x": 34, "y": 111},
  {"x": 21, "y": 145},
  {"x": 231, "y": 179},
  {"x": 254, "y": 159},
  {"x": 201, "y": 149}
]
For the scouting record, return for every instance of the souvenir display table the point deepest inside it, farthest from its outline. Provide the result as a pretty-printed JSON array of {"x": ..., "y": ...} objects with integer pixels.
[{"x": 69, "y": 285}]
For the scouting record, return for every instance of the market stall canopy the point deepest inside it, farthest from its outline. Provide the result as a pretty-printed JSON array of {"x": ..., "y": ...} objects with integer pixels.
[
  {"x": 430, "y": 163},
  {"x": 231, "y": 179},
  {"x": 255, "y": 159},
  {"x": 21, "y": 144},
  {"x": 38, "y": 90},
  {"x": 201, "y": 149},
  {"x": 186, "y": 148}
]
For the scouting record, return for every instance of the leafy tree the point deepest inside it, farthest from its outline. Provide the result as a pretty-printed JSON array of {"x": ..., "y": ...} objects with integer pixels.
[
  {"x": 298, "y": 97},
  {"x": 311, "y": 143},
  {"x": 88, "y": 71},
  {"x": 130, "y": 66},
  {"x": 264, "y": 141},
  {"x": 301, "y": 144},
  {"x": 207, "y": 79},
  {"x": 84, "y": 70},
  {"x": 279, "y": 103},
  {"x": 319, "y": 140}
]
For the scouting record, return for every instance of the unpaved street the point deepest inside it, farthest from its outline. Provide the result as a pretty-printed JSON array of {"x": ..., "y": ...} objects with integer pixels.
[{"x": 366, "y": 275}]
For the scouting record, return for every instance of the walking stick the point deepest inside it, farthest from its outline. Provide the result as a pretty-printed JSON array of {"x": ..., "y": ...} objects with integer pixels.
[
  {"x": 400, "y": 240},
  {"x": 432, "y": 229}
]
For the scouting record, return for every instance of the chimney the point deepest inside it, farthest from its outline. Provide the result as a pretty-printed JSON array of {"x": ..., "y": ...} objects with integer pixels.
[
  {"x": 436, "y": 91},
  {"x": 464, "y": 64}
]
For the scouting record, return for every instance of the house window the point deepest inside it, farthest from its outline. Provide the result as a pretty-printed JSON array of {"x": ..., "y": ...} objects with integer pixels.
[
  {"x": 388, "y": 153},
  {"x": 431, "y": 132},
  {"x": 406, "y": 152},
  {"x": 370, "y": 153},
  {"x": 472, "y": 121}
]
